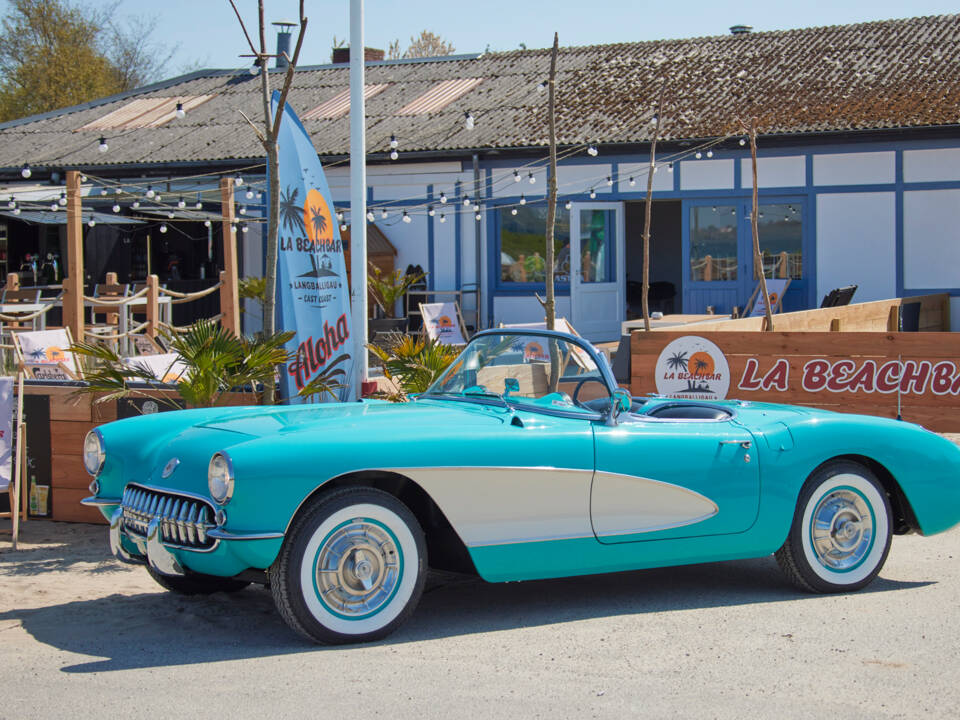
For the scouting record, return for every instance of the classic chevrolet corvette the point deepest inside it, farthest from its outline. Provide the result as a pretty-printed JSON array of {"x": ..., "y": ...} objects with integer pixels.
[{"x": 524, "y": 460}]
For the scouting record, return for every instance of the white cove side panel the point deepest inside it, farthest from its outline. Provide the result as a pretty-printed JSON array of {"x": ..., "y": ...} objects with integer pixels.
[
  {"x": 931, "y": 239},
  {"x": 867, "y": 168},
  {"x": 410, "y": 239},
  {"x": 578, "y": 179},
  {"x": 662, "y": 178},
  {"x": 940, "y": 165},
  {"x": 445, "y": 255},
  {"x": 510, "y": 309},
  {"x": 856, "y": 244},
  {"x": 774, "y": 172},
  {"x": 515, "y": 505},
  {"x": 706, "y": 175},
  {"x": 504, "y": 184}
]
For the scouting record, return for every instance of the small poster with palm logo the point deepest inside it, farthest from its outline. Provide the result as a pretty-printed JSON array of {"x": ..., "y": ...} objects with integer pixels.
[
  {"x": 45, "y": 354},
  {"x": 313, "y": 298}
]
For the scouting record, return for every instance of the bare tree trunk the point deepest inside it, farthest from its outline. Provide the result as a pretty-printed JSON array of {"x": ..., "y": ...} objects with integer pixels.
[
  {"x": 550, "y": 307},
  {"x": 757, "y": 257},
  {"x": 645, "y": 300}
]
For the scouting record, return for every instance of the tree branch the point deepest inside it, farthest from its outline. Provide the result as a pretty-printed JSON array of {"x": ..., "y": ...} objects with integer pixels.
[
  {"x": 292, "y": 67},
  {"x": 244, "y": 27},
  {"x": 255, "y": 128}
]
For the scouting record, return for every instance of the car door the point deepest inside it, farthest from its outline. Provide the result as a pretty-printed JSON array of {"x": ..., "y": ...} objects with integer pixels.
[{"x": 658, "y": 479}]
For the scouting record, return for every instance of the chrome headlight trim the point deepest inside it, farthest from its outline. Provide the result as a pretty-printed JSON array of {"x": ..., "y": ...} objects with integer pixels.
[
  {"x": 93, "y": 452},
  {"x": 220, "y": 478}
]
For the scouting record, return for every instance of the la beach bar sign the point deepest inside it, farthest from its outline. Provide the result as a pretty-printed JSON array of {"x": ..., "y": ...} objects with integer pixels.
[{"x": 915, "y": 375}]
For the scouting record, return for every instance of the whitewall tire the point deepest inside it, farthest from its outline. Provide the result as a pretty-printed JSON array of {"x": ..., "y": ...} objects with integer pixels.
[
  {"x": 841, "y": 530},
  {"x": 352, "y": 567}
]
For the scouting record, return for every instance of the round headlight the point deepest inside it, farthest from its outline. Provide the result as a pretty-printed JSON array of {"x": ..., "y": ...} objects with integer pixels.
[
  {"x": 93, "y": 454},
  {"x": 220, "y": 478}
]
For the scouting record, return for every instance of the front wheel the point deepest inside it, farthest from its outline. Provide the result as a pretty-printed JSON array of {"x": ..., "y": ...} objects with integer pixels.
[
  {"x": 351, "y": 569},
  {"x": 841, "y": 530}
]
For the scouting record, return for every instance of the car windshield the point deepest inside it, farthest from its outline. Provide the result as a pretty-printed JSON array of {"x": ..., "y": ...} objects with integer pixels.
[{"x": 519, "y": 369}]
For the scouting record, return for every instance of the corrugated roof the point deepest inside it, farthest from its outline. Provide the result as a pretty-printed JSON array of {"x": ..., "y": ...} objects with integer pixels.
[
  {"x": 439, "y": 96},
  {"x": 873, "y": 76},
  {"x": 145, "y": 112},
  {"x": 339, "y": 104}
]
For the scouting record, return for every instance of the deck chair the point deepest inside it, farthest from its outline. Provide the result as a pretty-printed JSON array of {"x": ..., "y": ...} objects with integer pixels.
[
  {"x": 13, "y": 471},
  {"x": 581, "y": 357},
  {"x": 776, "y": 288},
  {"x": 165, "y": 367},
  {"x": 46, "y": 355},
  {"x": 146, "y": 345},
  {"x": 444, "y": 323}
]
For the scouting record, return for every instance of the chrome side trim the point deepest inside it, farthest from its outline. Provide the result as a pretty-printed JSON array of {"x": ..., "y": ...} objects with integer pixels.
[
  {"x": 99, "y": 502},
  {"x": 220, "y": 534},
  {"x": 116, "y": 546},
  {"x": 160, "y": 559}
]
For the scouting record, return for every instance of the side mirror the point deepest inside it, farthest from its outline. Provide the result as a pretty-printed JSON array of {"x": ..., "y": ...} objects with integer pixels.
[
  {"x": 622, "y": 400},
  {"x": 510, "y": 385}
]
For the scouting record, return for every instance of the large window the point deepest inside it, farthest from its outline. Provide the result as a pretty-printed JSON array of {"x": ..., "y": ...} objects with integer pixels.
[
  {"x": 781, "y": 241},
  {"x": 522, "y": 244},
  {"x": 713, "y": 243}
]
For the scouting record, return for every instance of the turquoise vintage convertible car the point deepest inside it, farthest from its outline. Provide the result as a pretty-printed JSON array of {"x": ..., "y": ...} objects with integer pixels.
[{"x": 524, "y": 460}]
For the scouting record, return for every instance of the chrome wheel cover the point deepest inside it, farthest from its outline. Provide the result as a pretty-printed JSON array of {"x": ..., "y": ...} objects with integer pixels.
[
  {"x": 842, "y": 529},
  {"x": 358, "y": 568}
]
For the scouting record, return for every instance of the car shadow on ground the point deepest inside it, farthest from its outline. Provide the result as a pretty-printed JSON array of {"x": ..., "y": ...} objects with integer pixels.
[{"x": 162, "y": 629}]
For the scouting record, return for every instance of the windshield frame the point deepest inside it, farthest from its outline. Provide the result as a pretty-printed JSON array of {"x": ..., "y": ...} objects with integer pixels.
[{"x": 606, "y": 374}]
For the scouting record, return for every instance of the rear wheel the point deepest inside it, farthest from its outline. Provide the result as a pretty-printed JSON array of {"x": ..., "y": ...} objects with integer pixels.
[
  {"x": 197, "y": 584},
  {"x": 352, "y": 567},
  {"x": 841, "y": 530}
]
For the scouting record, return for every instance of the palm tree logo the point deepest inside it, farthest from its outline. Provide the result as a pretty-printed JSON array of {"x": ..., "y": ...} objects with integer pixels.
[
  {"x": 318, "y": 220},
  {"x": 677, "y": 361},
  {"x": 38, "y": 354},
  {"x": 700, "y": 365},
  {"x": 291, "y": 212}
]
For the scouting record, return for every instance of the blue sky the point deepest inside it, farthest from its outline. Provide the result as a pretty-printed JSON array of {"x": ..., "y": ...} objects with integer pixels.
[{"x": 208, "y": 34}]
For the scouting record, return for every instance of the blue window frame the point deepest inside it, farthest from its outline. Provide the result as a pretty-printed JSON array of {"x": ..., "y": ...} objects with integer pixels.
[{"x": 519, "y": 234}]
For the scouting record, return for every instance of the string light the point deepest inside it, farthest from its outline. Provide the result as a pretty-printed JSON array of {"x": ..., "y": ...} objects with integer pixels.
[
  {"x": 91, "y": 222},
  {"x": 568, "y": 205},
  {"x": 394, "y": 154},
  {"x": 118, "y": 191},
  {"x": 383, "y": 214},
  {"x": 698, "y": 155},
  {"x": 115, "y": 208},
  {"x": 542, "y": 86},
  {"x": 25, "y": 171},
  {"x": 158, "y": 197},
  {"x": 150, "y": 193},
  {"x": 63, "y": 199},
  {"x": 343, "y": 227},
  {"x": 430, "y": 211},
  {"x": 135, "y": 204},
  {"x": 466, "y": 201},
  {"x": 478, "y": 217},
  {"x": 238, "y": 180},
  {"x": 513, "y": 211},
  {"x": 531, "y": 179},
  {"x": 592, "y": 150},
  {"x": 180, "y": 112},
  {"x": 370, "y": 217},
  {"x": 476, "y": 205},
  {"x": 670, "y": 167},
  {"x": 163, "y": 227},
  {"x": 54, "y": 206},
  {"x": 393, "y": 141},
  {"x": 653, "y": 119},
  {"x": 199, "y": 203},
  {"x": 406, "y": 218},
  {"x": 443, "y": 218},
  {"x": 244, "y": 228},
  {"x": 255, "y": 68},
  {"x": 593, "y": 193},
  {"x": 11, "y": 203},
  {"x": 171, "y": 214},
  {"x": 181, "y": 203},
  {"x": 523, "y": 200},
  {"x": 259, "y": 196},
  {"x": 468, "y": 120},
  {"x": 632, "y": 182},
  {"x": 516, "y": 176},
  {"x": 609, "y": 181},
  {"x": 243, "y": 211},
  {"x": 103, "y": 191},
  {"x": 249, "y": 194},
  {"x": 709, "y": 153},
  {"x": 443, "y": 198},
  {"x": 340, "y": 215},
  {"x": 743, "y": 141},
  {"x": 103, "y": 147},
  {"x": 206, "y": 223}
]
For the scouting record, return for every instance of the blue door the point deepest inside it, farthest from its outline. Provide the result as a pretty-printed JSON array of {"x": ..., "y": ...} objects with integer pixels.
[{"x": 718, "y": 252}]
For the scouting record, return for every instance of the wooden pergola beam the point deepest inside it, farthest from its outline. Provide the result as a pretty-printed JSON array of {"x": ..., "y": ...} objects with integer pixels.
[{"x": 73, "y": 284}]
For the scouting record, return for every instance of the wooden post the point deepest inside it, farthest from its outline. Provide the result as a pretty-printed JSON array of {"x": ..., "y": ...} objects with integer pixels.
[
  {"x": 835, "y": 325},
  {"x": 550, "y": 305},
  {"x": 707, "y": 268},
  {"x": 13, "y": 281},
  {"x": 229, "y": 297},
  {"x": 893, "y": 318},
  {"x": 153, "y": 305},
  {"x": 112, "y": 318},
  {"x": 74, "y": 283}
]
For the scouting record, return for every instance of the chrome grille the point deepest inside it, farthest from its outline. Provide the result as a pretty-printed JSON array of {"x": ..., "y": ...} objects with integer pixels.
[{"x": 184, "y": 520}]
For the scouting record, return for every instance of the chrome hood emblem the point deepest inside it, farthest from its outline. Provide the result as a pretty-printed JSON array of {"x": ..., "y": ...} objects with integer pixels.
[{"x": 169, "y": 467}]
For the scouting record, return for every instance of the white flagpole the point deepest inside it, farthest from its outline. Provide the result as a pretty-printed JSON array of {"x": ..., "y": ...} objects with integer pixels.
[{"x": 358, "y": 197}]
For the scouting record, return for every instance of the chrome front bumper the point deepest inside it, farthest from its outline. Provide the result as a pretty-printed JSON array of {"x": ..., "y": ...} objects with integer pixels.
[{"x": 152, "y": 550}]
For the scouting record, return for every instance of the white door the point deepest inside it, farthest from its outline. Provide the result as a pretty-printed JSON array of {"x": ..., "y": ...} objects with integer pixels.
[{"x": 597, "y": 282}]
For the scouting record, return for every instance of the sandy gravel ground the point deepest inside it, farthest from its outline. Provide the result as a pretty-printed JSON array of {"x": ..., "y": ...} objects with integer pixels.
[{"x": 83, "y": 636}]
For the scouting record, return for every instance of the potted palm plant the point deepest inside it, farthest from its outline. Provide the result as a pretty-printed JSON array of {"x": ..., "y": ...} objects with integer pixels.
[{"x": 387, "y": 289}]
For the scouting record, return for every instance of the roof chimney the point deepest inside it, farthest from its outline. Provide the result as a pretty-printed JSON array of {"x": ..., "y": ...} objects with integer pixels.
[
  {"x": 341, "y": 55},
  {"x": 283, "y": 41},
  {"x": 740, "y": 29}
]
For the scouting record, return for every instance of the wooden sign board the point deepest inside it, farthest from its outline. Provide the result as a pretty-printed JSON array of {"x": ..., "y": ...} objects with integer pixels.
[{"x": 873, "y": 373}]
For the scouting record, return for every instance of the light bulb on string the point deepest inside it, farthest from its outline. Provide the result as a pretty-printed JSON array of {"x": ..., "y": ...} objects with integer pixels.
[
  {"x": 118, "y": 191},
  {"x": 653, "y": 119},
  {"x": 609, "y": 181},
  {"x": 370, "y": 216},
  {"x": 91, "y": 222},
  {"x": 25, "y": 171},
  {"x": 393, "y": 141},
  {"x": 513, "y": 211},
  {"x": 163, "y": 227},
  {"x": 255, "y": 68},
  {"x": 384, "y": 214},
  {"x": 83, "y": 178},
  {"x": 568, "y": 205},
  {"x": 150, "y": 193},
  {"x": 242, "y": 210},
  {"x": 516, "y": 176},
  {"x": 199, "y": 203},
  {"x": 531, "y": 178},
  {"x": 743, "y": 141},
  {"x": 632, "y": 182},
  {"x": 443, "y": 198},
  {"x": 244, "y": 228},
  {"x": 593, "y": 193},
  {"x": 103, "y": 191},
  {"x": 11, "y": 203},
  {"x": 103, "y": 147},
  {"x": 207, "y": 223},
  {"x": 249, "y": 193},
  {"x": 468, "y": 120},
  {"x": 181, "y": 203},
  {"x": 443, "y": 218},
  {"x": 63, "y": 199},
  {"x": 478, "y": 217},
  {"x": 406, "y": 218},
  {"x": 466, "y": 201},
  {"x": 54, "y": 206},
  {"x": 394, "y": 154},
  {"x": 158, "y": 197},
  {"x": 115, "y": 208},
  {"x": 135, "y": 204},
  {"x": 180, "y": 112},
  {"x": 16, "y": 211},
  {"x": 592, "y": 151},
  {"x": 340, "y": 215},
  {"x": 238, "y": 180},
  {"x": 171, "y": 214},
  {"x": 541, "y": 86},
  {"x": 475, "y": 206},
  {"x": 709, "y": 153},
  {"x": 670, "y": 167},
  {"x": 343, "y": 227},
  {"x": 430, "y": 211},
  {"x": 523, "y": 200},
  {"x": 698, "y": 155},
  {"x": 259, "y": 196}
]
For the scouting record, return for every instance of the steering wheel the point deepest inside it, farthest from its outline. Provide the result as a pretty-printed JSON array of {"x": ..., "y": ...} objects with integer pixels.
[{"x": 581, "y": 383}]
